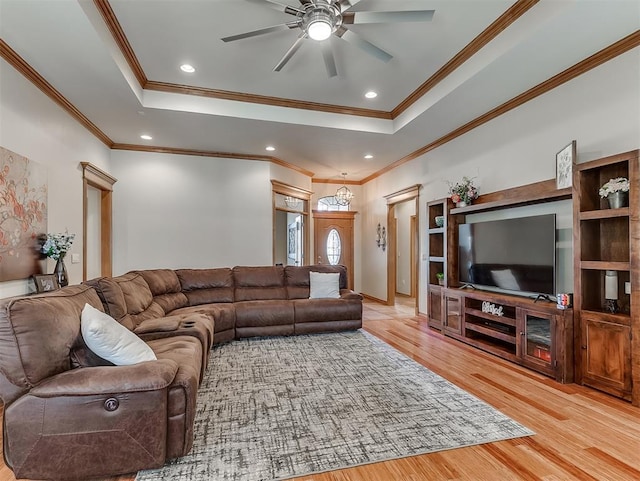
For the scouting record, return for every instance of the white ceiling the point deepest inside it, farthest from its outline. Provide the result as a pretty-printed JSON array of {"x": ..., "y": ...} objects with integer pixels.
[{"x": 69, "y": 44}]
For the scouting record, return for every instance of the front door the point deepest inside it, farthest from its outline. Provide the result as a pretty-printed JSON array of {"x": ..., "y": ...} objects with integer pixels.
[{"x": 333, "y": 239}]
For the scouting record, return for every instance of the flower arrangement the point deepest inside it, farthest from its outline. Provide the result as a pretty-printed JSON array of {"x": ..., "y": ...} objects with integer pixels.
[
  {"x": 57, "y": 245},
  {"x": 619, "y": 184},
  {"x": 463, "y": 191}
]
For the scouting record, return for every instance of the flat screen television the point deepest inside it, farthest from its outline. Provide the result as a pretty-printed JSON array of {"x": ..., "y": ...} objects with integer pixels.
[{"x": 511, "y": 254}]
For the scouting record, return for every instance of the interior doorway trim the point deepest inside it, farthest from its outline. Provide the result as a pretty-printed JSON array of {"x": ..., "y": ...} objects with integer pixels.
[
  {"x": 409, "y": 193},
  {"x": 99, "y": 179}
]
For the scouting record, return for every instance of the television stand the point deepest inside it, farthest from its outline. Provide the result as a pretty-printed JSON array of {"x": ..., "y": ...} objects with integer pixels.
[
  {"x": 536, "y": 335},
  {"x": 542, "y": 297}
]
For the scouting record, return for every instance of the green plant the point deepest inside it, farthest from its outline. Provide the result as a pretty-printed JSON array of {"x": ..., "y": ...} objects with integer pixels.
[{"x": 440, "y": 276}]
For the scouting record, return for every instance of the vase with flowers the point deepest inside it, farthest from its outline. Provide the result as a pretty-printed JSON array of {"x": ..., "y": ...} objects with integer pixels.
[
  {"x": 56, "y": 247},
  {"x": 464, "y": 192},
  {"x": 616, "y": 191}
]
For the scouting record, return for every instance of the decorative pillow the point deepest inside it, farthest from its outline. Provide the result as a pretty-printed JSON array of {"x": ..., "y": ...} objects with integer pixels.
[
  {"x": 112, "y": 341},
  {"x": 324, "y": 285}
]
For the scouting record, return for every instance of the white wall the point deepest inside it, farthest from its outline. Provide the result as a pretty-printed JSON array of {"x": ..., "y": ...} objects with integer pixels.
[
  {"x": 600, "y": 109},
  {"x": 35, "y": 127},
  {"x": 179, "y": 211}
]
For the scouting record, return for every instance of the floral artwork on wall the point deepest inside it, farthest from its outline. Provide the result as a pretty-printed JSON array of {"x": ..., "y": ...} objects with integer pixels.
[{"x": 23, "y": 215}]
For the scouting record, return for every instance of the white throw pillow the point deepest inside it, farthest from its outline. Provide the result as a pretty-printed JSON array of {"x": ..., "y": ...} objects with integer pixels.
[
  {"x": 324, "y": 285},
  {"x": 110, "y": 340}
]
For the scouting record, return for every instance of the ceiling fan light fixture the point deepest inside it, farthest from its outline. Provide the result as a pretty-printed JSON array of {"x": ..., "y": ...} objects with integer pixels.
[
  {"x": 320, "y": 29},
  {"x": 319, "y": 24}
]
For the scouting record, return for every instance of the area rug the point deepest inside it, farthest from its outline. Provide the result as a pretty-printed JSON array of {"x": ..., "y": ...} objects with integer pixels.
[{"x": 276, "y": 408}]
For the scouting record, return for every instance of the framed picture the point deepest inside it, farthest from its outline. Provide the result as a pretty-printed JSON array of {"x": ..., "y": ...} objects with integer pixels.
[
  {"x": 564, "y": 165},
  {"x": 45, "y": 282}
]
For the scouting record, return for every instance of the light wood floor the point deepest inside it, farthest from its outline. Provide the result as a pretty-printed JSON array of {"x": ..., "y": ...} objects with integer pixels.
[{"x": 582, "y": 434}]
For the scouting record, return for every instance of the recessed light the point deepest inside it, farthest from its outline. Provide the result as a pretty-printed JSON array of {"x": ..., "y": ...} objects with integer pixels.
[
  {"x": 371, "y": 94},
  {"x": 187, "y": 68},
  {"x": 270, "y": 148},
  {"x": 368, "y": 156},
  {"x": 146, "y": 137}
]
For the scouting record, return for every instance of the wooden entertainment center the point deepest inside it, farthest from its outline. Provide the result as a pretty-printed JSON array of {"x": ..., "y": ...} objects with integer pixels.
[{"x": 585, "y": 344}]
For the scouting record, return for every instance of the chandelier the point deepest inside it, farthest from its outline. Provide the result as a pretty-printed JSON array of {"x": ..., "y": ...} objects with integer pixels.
[
  {"x": 292, "y": 202},
  {"x": 343, "y": 194}
]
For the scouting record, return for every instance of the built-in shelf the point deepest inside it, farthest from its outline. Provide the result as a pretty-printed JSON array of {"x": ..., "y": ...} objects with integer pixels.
[
  {"x": 604, "y": 266},
  {"x": 436, "y": 230},
  {"x": 604, "y": 214},
  {"x": 436, "y": 259},
  {"x": 537, "y": 193},
  {"x": 605, "y": 239},
  {"x": 618, "y": 317},
  {"x": 485, "y": 315},
  {"x": 491, "y": 331}
]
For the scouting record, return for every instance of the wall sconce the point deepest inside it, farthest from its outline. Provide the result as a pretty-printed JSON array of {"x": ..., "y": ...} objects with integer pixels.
[{"x": 381, "y": 237}]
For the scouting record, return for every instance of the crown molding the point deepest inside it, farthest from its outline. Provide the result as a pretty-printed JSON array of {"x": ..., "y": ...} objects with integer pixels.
[
  {"x": 518, "y": 9},
  {"x": 265, "y": 100},
  {"x": 608, "y": 53},
  {"x": 209, "y": 153},
  {"x": 336, "y": 181},
  {"x": 110, "y": 19},
  {"x": 18, "y": 63}
]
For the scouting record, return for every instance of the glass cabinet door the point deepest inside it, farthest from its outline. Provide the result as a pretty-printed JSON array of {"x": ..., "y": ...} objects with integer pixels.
[
  {"x": 537, "y": 339},
  {"x": 453, "y": 314}
]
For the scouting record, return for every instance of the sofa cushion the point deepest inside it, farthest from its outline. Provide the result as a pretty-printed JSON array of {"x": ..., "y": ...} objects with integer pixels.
[
  {"x": 297, "y": 278},
  {"x": 111, "y": 340},
  {"x": 112, "y": 298},
  {"x": 324, "y": 310},
  {"x": 38, "y": 332},
  {"x": 324, "y": 285},
  {"x": 264, "y": 313},
  {"x": 206, "y": 286},
  {"x": 257, "y": 283},
  {"x": 165, "y": 288}
]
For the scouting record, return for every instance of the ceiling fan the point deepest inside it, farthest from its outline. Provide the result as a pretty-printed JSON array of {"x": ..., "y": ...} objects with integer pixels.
[{"x": 320, "y": 19}]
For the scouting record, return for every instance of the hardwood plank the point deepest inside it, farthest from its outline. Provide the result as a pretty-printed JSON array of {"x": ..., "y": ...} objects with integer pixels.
[{"x": 581, "y": 434}]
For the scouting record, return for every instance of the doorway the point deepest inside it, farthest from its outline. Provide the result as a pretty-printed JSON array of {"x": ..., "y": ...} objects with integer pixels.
[
  {"x": 333, "y": 239},
  {"x": 290, "y": 226},
  {"x": 402, "y": 248},
  {"x": 97, "y": 219}
]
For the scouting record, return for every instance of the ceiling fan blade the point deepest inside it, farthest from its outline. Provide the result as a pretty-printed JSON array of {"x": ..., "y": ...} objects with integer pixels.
[
  {"x": 290, "y": 53},
  {"x": 329, "y": 59},
  {"x": 260, "y": 31},
  {"x": 347, "y": 4},
  {"x": 388, "y": 17},
  {"x": 355, "y": 39},
  {"x": 281, "y": 7}
]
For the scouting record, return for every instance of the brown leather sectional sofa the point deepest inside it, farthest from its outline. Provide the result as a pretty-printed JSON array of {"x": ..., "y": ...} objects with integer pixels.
[{"x": 67, "y": 415}]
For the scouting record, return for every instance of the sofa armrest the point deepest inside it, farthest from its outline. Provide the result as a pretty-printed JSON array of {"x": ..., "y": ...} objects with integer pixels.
[
  {"x": 145, "y": 376},
  {"x": 108, "y": 420},
  {"x": 160, "y": 324},
  {"x": 349, "y": 294}
]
